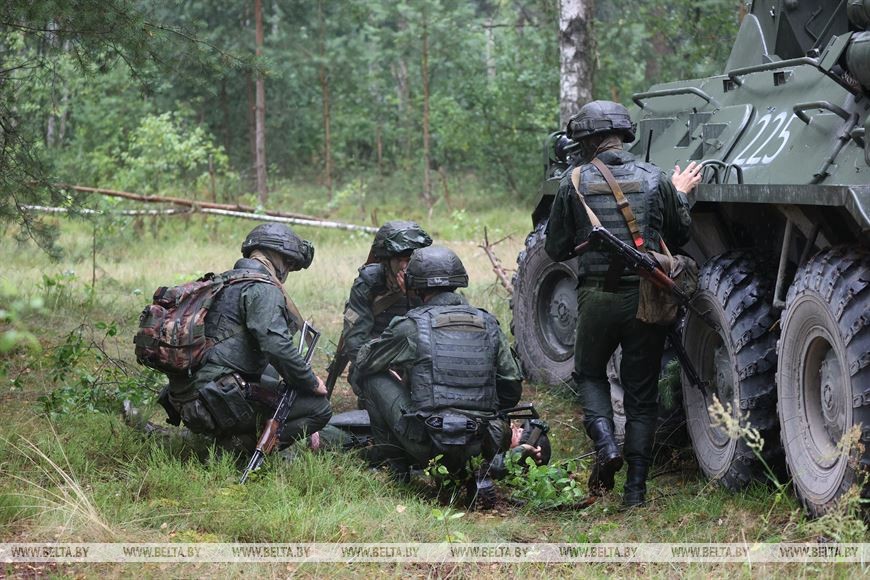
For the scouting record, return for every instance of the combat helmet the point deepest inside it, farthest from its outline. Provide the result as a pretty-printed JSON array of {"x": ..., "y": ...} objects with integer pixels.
[
  {"x": 601, "y": 117},
  {"x": 435, "y": 267},
  {"x": 397, "y": 238},
  {"x": 281, "y": 239}
]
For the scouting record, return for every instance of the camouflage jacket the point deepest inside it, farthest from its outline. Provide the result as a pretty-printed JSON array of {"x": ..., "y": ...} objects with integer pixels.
[
  {"x": 361, "y": 324},
  {"x": 252, "y": 328},
  {"x": 397, "y": 348}
]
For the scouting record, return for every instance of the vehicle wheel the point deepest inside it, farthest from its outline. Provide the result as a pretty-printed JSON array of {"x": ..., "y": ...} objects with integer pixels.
[
  {"x": 738, "y": 365},
  {"x": 823, "y": 379},
  {"x": 544, "y": 308},
  {"x": 670, "y": 433}
]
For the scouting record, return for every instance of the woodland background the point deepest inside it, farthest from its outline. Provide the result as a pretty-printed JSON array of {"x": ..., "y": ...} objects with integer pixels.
[{"x": 361, "y": 102}]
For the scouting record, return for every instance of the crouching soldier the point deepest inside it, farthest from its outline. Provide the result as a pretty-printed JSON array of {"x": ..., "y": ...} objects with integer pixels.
[
  {"x": 250, "y": 325},
  {"x": 377, "y": 294},
  {"x": 456, "y": 369}
]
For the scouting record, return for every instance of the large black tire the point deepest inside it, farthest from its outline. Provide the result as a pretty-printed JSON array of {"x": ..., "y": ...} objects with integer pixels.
[
  {"x": 824, "y": 376},
  {"x": 739, "y": 364},
  {"x": 544, "y": 308}
]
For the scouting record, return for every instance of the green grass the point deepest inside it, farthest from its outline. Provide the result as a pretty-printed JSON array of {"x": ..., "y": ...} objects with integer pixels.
[{"x": 88, "y": 477}]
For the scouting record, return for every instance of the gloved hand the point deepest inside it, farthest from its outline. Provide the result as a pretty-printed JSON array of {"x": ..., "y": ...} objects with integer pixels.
[{"x": 196, "y": 417}]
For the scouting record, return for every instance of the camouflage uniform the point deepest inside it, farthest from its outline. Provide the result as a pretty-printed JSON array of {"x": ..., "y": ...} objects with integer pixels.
[
  {"x": 253, "y": 334},
  {"x": 470, "y": 373},
  {"x": 606, "y": 316},
  {"x": 375, "y": 283},
  {"x": 361, "y": 324}
]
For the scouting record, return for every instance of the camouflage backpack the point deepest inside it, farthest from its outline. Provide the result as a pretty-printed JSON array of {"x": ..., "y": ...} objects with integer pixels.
[{"x": 171, "y": 336}]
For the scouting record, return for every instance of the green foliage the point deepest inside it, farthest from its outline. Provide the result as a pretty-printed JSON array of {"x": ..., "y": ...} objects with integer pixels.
[
  {"x": 445, "y": 517},
  {"x": 165, "y": 152},
  {"x": 89, "y": 380},
  {"x": 641, "y": 44},
  {"x": 543, "y": 486},
  {"x": 14, "y": 332}
]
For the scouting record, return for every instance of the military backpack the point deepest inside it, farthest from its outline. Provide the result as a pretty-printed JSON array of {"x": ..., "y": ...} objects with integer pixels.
[{"x": 171, "y": 336}]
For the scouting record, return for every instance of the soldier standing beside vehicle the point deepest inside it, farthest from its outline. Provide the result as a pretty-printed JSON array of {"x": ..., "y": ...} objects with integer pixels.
[
  {"x": 377, "y": 294},
  {"x": 457, "y": 373},
  {"x": 252, "y": 326},
  {"x": 607, "y": 294}
]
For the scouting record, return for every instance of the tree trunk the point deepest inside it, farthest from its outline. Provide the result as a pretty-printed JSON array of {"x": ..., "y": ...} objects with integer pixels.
[
  {"x": 489, "y": 56},
  {"x": 262, "y": 187},
  {"x": 324, "y": 94},
  {"x": 427, "y": 178},
  {"x": 577, "y": 56},
  {"x": 660, "y": 49},
  {"x": 252, "y": 130},
  {"x": 225, "y": 113}
]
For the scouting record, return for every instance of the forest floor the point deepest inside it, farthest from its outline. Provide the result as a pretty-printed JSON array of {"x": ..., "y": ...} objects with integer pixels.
[{"x": 72, "y": 471}]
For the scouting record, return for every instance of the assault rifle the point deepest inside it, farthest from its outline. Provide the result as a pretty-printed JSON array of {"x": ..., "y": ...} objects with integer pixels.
[
  {"x": 273, "y": 427},
  {"x": 648, "y": 268}
]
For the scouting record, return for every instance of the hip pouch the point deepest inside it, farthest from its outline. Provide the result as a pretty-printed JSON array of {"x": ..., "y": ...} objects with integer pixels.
[
  {"x": 228, "y": 405},
  {"x": 452, "y": 433},
  {"x": 659, "y": 306}
]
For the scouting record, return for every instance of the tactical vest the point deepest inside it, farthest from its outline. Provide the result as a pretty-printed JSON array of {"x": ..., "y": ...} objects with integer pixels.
[
  {"x": 376, "y": 279},
  {"x": 224, "y": 320},
  {"x": 639, "y": 182},
  {"x": 457, "y": 350}
]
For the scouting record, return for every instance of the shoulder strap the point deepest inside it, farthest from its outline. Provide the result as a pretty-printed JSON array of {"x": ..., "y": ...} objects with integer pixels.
[
  {"x": 575, "y": 179},
  {"x": 292, "y": 310},
  {"x": 385, "y": 301},
  {"x": 621, "y": 203}
]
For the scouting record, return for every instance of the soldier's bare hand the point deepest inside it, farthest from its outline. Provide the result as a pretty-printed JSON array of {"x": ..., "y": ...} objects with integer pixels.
[
  {"x": 400, "y": 280},
  {"x": 320, "y": 391},
  {"x": 686, "y": 181}
]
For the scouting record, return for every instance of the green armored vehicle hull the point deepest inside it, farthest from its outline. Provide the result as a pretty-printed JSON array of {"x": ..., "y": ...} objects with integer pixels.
[{"x": 781, "y": 226}]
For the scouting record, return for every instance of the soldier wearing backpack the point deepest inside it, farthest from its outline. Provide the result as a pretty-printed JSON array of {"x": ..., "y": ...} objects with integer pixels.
[{"x": 248, "y": 325}]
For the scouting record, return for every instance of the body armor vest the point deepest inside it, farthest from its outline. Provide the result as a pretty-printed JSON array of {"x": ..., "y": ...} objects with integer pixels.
[
  {"x": 457, "y": 350},
  {"x": 639, "y": 182}
]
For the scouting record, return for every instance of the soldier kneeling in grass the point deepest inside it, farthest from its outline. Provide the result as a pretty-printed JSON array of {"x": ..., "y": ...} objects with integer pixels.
[{"x": 435, "y": 380}]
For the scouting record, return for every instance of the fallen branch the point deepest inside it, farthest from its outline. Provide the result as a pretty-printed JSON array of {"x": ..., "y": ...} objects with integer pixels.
[
  {"x": 497, "y": 267},
  {"x": 127, "y": 212},
  {"x": 184, "y": 202},
  {"x": 313, "y": 222}
]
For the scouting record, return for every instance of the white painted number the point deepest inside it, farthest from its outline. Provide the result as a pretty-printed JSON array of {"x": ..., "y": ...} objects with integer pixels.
[{"x": 780, "y": 132}]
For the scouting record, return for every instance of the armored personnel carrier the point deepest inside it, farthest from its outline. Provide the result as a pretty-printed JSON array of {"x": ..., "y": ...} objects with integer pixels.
[{"x": 781, "y": 226}]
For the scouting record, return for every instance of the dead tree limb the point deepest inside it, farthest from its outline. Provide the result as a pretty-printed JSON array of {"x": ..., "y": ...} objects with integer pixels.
[
  {"x": 239, "y": 211},
  {"x": 497, "y": 267},
  {"x": 184, "y": 202}
]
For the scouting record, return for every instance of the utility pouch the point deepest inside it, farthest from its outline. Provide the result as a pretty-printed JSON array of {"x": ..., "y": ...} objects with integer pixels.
[
  {"x": 173, "y": 417},
  {"x": 229, "y": 408},
  {"x": 659, "y": 306},
  {"x": 452, "y": 430}
]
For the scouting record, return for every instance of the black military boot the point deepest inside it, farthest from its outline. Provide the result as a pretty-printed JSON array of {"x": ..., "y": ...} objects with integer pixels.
[
  {"x": 635, "y": 484},
  {"x": 608, "y": 459}
]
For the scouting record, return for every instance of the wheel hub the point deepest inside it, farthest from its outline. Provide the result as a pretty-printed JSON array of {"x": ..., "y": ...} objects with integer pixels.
[
  {"x": 830, "y": 377},
  {"x": 723, "y": 378},
  {"x": 556, "y": 304}
]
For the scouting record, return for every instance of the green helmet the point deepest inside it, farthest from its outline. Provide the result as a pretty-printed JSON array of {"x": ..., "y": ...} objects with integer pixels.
[
  {"x": 435, "y": 267},
  {"x": 281, "y": 239},
  {"x": 397, "y": 238},
  {"x": 601, "y": 117}
]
